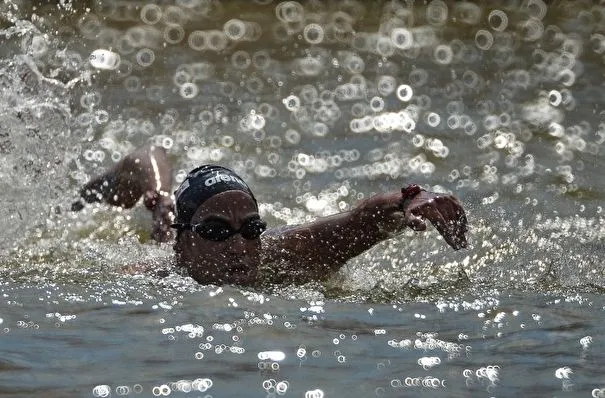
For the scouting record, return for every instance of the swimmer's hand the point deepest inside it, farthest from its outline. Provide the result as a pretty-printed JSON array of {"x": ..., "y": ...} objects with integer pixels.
[
  {"x": 144, "y": 173},
  {"x": 445, "y": 212}
]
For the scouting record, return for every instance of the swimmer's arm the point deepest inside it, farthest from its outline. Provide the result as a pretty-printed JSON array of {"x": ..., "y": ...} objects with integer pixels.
[
  {"x": 324, "y": 245},
  {"x": 144, "y": 173}
]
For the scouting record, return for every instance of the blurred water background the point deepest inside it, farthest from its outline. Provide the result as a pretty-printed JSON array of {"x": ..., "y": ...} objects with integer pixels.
[{"x": 317, "y": 104}]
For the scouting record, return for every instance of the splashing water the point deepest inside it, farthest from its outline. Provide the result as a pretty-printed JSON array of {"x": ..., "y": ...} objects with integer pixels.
[
  {"x": 329, "y": 110},
  {"x": 317, "y": 105}
]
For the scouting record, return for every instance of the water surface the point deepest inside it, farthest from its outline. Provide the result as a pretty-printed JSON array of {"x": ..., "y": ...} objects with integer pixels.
[{"x": 317, "y": 105}]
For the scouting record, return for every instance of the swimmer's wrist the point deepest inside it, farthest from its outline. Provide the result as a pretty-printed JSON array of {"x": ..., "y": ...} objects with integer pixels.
[
  {"x": 383, "y": 206},
  {"x": 408, "y": 194}
]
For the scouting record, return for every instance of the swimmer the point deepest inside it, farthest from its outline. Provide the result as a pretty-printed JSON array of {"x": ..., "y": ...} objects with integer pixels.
[{"x": 220, "y": 237}]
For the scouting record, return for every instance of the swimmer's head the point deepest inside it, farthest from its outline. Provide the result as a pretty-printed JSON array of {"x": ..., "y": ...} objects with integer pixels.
[
  {"x": 201, "y": 184},
  {"x": 218, "y": 227}
]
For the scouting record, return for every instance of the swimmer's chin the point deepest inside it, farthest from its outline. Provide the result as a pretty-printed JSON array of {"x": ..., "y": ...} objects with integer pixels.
[
  {"x": 234, "y": 274},
  {"x": 239, "y": 274}
]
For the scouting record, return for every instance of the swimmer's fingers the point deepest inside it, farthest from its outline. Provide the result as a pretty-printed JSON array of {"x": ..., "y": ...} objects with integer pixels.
[
  {"x": 443, "y": 211},
  {"x": 461, "y": 227},
  {"x": 456, "y": 222},
  {"x": 452, "y": 225},
  {"x": 92, "y": 192},
  {"x": 450, "y": 221},
  {"x": 439, "y": 221}
]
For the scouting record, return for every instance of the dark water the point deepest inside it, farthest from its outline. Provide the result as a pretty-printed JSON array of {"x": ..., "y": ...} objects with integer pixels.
[{"x": 318, "y": 105}]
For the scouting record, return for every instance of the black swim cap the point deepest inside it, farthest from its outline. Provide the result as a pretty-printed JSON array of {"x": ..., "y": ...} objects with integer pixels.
[{"x": 201, "y": 184}]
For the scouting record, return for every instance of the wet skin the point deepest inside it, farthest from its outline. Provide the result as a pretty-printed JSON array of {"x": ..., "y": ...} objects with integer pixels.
[
  {"x": 234, "y": 260},
  {"x": 296, "y": 254}
]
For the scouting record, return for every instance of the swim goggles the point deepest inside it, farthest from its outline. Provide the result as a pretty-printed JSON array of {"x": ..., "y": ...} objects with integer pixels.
[{"x": 216, "y": 230}]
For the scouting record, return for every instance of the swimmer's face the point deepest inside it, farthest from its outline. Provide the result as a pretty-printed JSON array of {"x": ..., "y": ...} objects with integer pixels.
[{"x": 233, "y": 260}]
